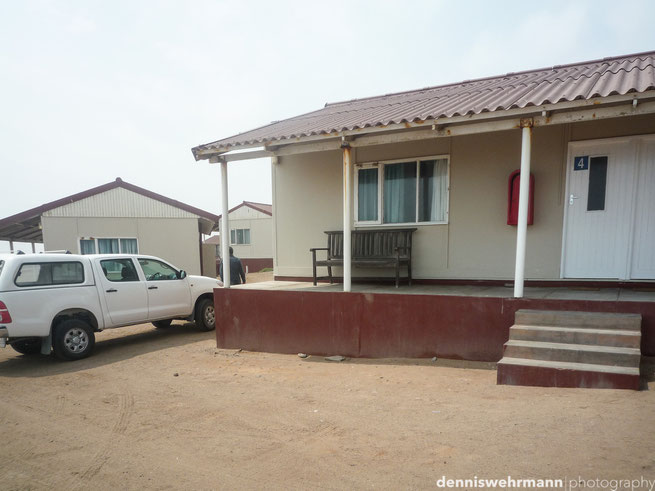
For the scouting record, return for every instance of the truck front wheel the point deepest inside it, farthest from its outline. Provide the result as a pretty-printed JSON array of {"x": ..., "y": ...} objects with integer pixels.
[
  {"x": 205, "y": 318},
  {"x": 73, "y": 340}
]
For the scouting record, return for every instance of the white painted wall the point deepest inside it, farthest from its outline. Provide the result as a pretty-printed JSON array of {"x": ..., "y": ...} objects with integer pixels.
[
  {"x": 477, "y": 242},
  {"x": 119, "y": 202},
  {"x": 173, "y": 239}
]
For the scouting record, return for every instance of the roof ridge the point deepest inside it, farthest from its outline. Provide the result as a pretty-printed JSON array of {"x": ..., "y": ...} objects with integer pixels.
[
  {"x": 257, "y": 203},
  {"x": 515, "y": 86},
  {"x": 510, "y": 74},
  {"x": 109, "y": 186}
]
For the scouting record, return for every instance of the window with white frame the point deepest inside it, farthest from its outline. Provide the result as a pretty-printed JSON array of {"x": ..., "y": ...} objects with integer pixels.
[
  {"x": 402, "y": 191},
  {"x": 240, "y": 236},
  {"x": 109, "y": 245}
]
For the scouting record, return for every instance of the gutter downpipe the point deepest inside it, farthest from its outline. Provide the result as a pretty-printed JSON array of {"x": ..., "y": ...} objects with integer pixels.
[
  {"x": 524, "y": 194},
  {"x": 225, "y": 228},
  {"x": 347, "y": 213}
]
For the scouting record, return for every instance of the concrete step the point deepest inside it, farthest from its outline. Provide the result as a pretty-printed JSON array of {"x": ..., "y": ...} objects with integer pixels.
[
  {"x": 594, "y": 320},
  {"x": 546, "y": 373},
  {"x": 577, "y": 335},
  {"x": 573, "y": 353}
]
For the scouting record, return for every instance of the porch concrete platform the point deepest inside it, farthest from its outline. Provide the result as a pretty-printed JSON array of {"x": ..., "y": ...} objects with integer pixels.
[
  {"x": 378, "y": 320},
  {"x": 551, "y": 293}
]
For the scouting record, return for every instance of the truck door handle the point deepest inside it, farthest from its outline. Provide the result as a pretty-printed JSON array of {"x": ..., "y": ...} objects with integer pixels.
[
  {"x": 152, "y": 288},
  {"x": 112, "y": 290},
  {"x": 572, "y": 197}
]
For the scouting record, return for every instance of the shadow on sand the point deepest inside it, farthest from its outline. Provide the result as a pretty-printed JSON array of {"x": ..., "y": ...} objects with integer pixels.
[{"x": 106, "y": 352}]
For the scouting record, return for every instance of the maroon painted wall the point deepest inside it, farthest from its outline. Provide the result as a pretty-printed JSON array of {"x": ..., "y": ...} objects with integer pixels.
[{"x": 386, "y": 325}]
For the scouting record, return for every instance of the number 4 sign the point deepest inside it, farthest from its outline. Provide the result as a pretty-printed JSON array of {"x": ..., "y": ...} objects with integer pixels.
[{"x": 581, "y": 163}]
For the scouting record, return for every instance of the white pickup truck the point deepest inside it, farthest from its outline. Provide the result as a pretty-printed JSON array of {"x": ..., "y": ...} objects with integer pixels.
[{"x": 55, "y": 302}]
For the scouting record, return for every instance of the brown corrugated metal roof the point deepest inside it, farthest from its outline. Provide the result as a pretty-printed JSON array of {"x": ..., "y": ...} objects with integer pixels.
[
  {"x": 580, "y": 81},
  {"x": 262, "y": 207}
]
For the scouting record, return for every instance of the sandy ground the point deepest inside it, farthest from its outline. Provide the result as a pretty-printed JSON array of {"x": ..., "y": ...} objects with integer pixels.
[{"x": 166, "y": 409}]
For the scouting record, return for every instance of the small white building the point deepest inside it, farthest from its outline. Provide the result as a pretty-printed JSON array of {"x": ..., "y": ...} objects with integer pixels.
[
  {"x": 119, "y": 217},
  {"x": 251, "y": 235}
]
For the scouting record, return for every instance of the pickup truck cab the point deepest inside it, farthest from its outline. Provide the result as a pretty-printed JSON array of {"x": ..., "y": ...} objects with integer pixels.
[{"x": 56, "y": 302}]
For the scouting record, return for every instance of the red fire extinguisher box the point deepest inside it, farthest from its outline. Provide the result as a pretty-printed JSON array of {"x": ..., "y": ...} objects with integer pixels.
[{"x": 513, "y": 199}]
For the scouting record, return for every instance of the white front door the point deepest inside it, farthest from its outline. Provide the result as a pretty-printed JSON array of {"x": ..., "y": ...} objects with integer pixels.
[
  {"x": 608, "y": 210},
  {"x": 643, "y": 255}
]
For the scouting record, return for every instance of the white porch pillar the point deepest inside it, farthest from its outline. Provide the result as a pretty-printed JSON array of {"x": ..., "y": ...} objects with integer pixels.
[
  {"x": 347, "y": 213},
  {"x": 225, "y": 228},
  {"x": 524, "y": 198},
  {"x": 274, "y": 164}
]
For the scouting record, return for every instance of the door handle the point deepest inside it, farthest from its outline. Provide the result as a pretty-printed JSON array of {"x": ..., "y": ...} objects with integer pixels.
[
  {"x": 572, "y": 197},
  {"x": 111, "y": 290},
  {"x": 152, "y": 288}
]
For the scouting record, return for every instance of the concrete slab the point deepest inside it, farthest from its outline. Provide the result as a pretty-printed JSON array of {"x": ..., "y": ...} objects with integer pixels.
[{"x": 554, "y": 293}]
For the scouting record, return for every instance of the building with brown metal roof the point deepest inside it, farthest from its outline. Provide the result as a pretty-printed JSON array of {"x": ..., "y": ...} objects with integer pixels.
[
  {"x": 440, "y": 159},
  {"x": 542, "y": 179},
  {"x": 118, "y": 217}
]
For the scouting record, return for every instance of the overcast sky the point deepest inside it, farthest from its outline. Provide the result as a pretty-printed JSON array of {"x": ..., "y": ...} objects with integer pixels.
[{"x": 94, "y": 90}]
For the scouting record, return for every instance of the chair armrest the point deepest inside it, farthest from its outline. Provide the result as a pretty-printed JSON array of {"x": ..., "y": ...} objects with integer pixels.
[{"x": 313, "y": 251}]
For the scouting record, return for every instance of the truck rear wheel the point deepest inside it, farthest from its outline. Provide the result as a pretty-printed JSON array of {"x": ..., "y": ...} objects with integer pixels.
[
  {"x": 205, "y": 318},
  {"x": 73, "y": 340},
  {"x": 30, "y": 346}
]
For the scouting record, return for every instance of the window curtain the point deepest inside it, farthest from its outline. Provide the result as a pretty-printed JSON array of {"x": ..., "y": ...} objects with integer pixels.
[
  {"x": 367, "y": 195},
  {"x": 108, "y": 246},
  {"x": 433, "y": 190},
  {"x": 128, "y": 246},
  {"x": 87, "y": 246},
  {"x": 400, "y": 192}
]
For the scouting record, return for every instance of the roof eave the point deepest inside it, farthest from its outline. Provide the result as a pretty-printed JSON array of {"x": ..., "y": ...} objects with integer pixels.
[{"x": 216, "y": 152}]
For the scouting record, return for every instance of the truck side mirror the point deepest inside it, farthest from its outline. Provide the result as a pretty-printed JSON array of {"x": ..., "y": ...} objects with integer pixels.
[{"x": 181, "y": 274}]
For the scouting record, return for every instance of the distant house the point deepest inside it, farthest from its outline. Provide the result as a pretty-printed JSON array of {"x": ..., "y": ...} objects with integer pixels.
[
  {"x": 118, "y": 217},
  {"x": 251, "y": 235}
]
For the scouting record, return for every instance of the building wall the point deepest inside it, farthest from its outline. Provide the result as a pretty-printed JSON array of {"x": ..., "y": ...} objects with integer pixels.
[
  {"x": 477, "y": 242},
  {"x": 119, "y": 202},
  {"x": 173, "y": 239},
  {"x": 261, "y": 233},
  {"x": 209, "y": 260}
]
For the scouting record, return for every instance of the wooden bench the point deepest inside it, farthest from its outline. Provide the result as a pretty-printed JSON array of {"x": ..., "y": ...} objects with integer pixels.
[{"x": 371, "y": 248}]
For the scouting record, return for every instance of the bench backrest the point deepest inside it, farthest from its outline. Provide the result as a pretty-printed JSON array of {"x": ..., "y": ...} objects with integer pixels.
[{"x": 371, "y": 243}]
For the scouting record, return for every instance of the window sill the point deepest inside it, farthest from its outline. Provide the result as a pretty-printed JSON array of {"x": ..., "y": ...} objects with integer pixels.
[{"x": 397, "y": 225}]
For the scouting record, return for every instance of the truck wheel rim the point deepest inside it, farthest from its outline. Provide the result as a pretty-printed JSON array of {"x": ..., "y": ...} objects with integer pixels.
[
  {"x": 76, "y": 340},
  {"x": 209, "y": 316}
]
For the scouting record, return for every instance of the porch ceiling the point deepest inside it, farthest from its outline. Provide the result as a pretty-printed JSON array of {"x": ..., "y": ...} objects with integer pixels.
[{"x": 22, "y": 230}]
